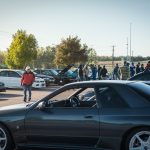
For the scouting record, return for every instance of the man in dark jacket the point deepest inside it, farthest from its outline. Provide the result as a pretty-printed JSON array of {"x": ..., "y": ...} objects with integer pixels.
[
  {"x": 104, "y": 73},
  {"x": 26, "y": 81}
]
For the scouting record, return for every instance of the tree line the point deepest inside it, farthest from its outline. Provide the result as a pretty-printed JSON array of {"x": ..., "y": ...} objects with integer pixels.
[
  {"x": 119, "y": 58},
  {"x": 24, "y": 50}
]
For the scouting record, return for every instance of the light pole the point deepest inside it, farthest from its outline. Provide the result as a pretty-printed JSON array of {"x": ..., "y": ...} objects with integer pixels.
[
  {"x": 127, "y": 50},
  {"x": 113, "y": 51},
  {"x": 130, "y": 41}
]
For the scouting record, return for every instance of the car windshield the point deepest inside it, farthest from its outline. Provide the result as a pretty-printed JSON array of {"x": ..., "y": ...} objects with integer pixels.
[
  {"x": 20, "y": 72},
  {"x": 35, "y": 73},
  {"x": 70, "y": 72},
  {"x": 64, "y": 95},
  {"x": 142, "y": 89},
  {"x": 54, "y": 72}
]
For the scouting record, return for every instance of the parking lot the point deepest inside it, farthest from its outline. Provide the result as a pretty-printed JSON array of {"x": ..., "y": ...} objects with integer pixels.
[{"x": 15, "y": 96}]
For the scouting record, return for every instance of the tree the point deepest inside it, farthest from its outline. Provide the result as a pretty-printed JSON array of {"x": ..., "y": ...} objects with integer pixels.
[
  {"x": 22, "y": 50},
  {"x": 70, "y": 51},
  {"x": 45, "y": 57},
  {"x": 92, "y": 56},
  {"x": 2, "y": 57}
]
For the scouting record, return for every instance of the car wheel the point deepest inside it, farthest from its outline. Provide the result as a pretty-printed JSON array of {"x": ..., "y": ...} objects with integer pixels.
[
  {"x": 139, "y": 139},
  {"x": 5, "y": 139}
]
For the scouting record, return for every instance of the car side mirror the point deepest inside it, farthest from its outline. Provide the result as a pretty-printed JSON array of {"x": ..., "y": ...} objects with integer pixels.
[{"x": 42, "y": 105}]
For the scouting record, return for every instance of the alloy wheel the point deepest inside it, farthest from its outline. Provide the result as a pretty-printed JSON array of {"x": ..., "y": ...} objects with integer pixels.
[
  {"x": 140, "y": 141},
  {"x": 3, "y": 139}
]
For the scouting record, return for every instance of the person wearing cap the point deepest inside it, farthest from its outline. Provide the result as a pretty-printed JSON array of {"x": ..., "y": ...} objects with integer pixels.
[{"x": 27, "y": 80}]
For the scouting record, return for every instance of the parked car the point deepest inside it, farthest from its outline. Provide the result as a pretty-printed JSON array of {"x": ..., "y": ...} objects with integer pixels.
[
  {"x": 49, "y": 72},
  {"x": 82, "y": 115},
  {"x": 143, "y": 76},
  {"x": 11, "y": 79},
  {"x": 69, "y": 73},
  {"x": 60, "y": 78},
  {"x": 2, "y": 87},
  {"x": 48, "y": 79}
]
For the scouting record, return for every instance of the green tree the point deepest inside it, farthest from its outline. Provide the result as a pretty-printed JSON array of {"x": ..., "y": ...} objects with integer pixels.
[
  {"x": 70, "y": 51},
  {"x": 92, "y": 56},
  {"x": 2, "y": 57},
  {"x": 45, "y": 57},
  {"x": 22, "y": 51}
]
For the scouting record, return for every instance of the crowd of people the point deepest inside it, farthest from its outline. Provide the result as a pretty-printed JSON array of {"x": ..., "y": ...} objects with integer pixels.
[{"x": 93, "y": 72}]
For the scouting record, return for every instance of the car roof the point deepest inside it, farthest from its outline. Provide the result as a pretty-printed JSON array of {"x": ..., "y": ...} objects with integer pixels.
[
  {"x": 8, "y": 70},
  {"x": 91, "y": 82},
  {"x": 141, "y": 73}
]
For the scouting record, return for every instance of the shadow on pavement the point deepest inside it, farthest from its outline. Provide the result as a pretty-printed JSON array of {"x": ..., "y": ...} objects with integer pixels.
[
  {"x": 3, "y": 99},
  {"x": 5, "y": 95}
]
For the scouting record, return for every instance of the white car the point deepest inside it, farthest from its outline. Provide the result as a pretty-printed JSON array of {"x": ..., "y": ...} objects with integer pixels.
[{"x": 12, "y": 78}]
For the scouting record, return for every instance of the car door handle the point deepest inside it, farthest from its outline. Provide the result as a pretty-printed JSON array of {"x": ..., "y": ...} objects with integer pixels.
[{"x": 88, "y": 117}]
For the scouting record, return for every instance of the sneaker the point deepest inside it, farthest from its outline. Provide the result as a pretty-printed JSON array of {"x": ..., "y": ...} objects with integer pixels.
[
  {"x": 24, "y": 100},
  {"x": 29, "y": 99}
]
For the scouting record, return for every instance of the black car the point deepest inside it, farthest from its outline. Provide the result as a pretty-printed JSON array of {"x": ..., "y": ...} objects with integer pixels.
[
  {"x": 83, "y": 115},
  {"x": 49, "y": 72},
  {"x": 60, "y": 77},
  {"x": 2, "y": 87},
  {"x": 143, "y": 76}
]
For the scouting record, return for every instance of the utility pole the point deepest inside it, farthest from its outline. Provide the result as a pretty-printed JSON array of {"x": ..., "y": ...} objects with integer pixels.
[
  {"x": 130, "y": 41},
  {"x": 127, "y": 50},
  {"x": 113, "y": 51}
]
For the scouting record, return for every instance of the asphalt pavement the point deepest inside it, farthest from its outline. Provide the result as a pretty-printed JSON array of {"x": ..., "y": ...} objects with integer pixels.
[{"x": 15, "y": 96}]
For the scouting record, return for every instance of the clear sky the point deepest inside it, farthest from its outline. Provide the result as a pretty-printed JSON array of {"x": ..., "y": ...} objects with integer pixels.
[{"x": 98, "y": 23}]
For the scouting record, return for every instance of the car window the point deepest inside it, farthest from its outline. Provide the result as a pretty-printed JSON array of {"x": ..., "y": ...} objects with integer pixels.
[
  {"x": 54, "y": 72},
  {"x": 47, "y": 72},
  {"x": 65, "y": 95},
  {"x": 142, "y": 89},
  {"x": 109, "y": 98},
  {"x": 137, "y": 77},
  {"x": 142, "y": 77},
  {"x": 86, "y": 94},
  {"x": 146, "y": 77},
  {"x": 81, "y": 97},
  {"x": 37, "y": 71},
  {"x": 3, "y": 74},
  {"x": 13, "y": 74}
]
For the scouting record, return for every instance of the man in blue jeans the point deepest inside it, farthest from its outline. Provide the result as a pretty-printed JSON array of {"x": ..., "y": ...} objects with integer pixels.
[{"x": 27, "y": 80}]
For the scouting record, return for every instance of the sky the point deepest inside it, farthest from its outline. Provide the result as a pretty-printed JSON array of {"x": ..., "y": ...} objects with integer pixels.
[{"x": 98, "y": 23}]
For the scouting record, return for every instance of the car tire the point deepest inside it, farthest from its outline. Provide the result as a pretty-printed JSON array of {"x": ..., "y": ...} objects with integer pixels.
[
  {"x": 139, "y": 138},
  {"x": 6, "y": 142}
]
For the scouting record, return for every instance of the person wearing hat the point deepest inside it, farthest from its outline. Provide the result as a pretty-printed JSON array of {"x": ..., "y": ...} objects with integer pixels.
[{"x": 27, "y": 80}]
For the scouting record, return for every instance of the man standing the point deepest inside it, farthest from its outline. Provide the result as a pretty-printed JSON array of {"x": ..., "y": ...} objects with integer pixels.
[
  {"x": 104, "y": 73},
  {"x": 125, "y": 71},
  {"x": 26, "y": 81},
  {"x": 94, "y": 72},
  {"x": 81, "y": 72},
  {"x": 138, "y": 68},
  {"x": 99, "y": 72},
  {"x": 132, "y": 70},
  {"x": 116, "y": 72}
]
